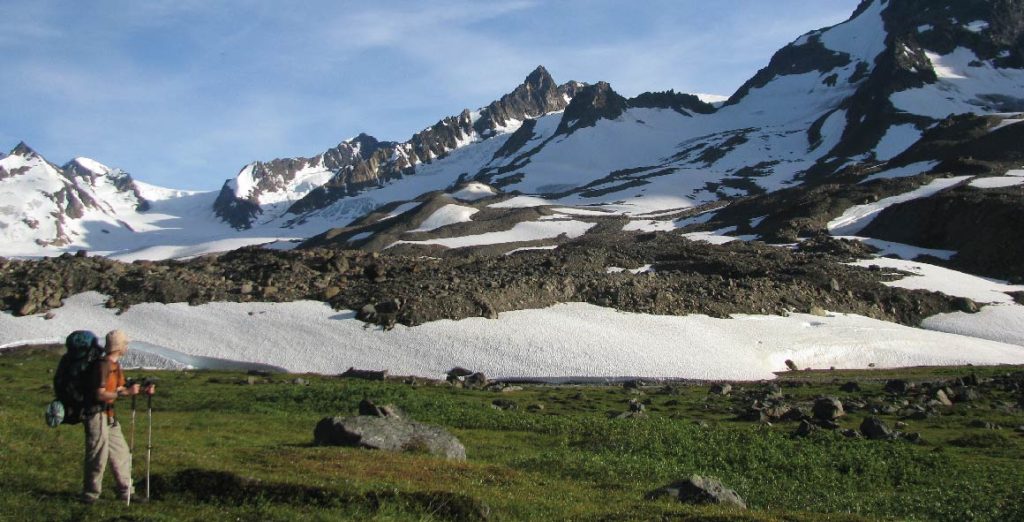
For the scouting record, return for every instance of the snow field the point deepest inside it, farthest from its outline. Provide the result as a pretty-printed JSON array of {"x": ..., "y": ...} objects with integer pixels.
[
  {"x": 566, "y": 340},
  {"x": 962, "y": 87}
]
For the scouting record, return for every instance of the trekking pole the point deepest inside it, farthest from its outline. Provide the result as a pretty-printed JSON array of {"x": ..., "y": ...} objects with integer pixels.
[
  {"x": 131, "y": 456},
  {"x": 149, "y": 441}
]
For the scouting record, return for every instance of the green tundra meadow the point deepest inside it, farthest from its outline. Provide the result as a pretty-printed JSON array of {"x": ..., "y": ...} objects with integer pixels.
[{"x": 232, "y": 446}]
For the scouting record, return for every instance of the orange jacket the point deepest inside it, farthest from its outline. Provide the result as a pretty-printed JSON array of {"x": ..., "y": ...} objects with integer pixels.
[{"x": 112, "y": 377}]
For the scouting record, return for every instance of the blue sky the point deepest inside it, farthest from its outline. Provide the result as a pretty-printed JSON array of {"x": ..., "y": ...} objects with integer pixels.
[{"x": 183, "y": 93}]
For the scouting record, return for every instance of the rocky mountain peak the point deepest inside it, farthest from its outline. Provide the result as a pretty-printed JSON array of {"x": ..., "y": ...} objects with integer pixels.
[
  {"x": 23, "y": 150},
  {"x": 592, "y": 103},
  {"x": 536, "y": 96},
  {"x": 538, "y": 77},
  {"x": 570, "y": 89},
  {"x": 365, "y": 144}
]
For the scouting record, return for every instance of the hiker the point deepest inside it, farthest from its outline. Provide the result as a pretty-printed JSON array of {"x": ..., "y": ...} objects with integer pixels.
[{"x": 103, "y": 438}]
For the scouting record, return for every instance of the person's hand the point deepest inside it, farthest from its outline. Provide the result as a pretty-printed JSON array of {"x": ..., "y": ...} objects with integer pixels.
[
  {"x": 134, "y": 389},
  {"x": 150, "y": 389}
]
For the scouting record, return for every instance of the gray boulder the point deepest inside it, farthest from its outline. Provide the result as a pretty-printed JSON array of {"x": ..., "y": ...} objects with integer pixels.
[
  {"x": 828, "y": 408},
  {"x": 699, "y": 490},
  {"x": 850, "y": 387},
  {"x": 898, "y": 386},
  {"x": 804, "y": 429},
  {"x": 874, "y": 429},
  {"x": 388, "y": 434},
  {"x": 476, "y": 380},
  {"x": 721, "y": 389},
  {"x": 967, "y": 394}
]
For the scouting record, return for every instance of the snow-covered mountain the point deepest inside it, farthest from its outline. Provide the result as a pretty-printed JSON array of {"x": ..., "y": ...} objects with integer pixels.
[
  {"x": 300, "y": 185},
  {"x": 45, "y": 205},
  {"x": 859, "y": 93},
  {"x": 902, "y": 88}
]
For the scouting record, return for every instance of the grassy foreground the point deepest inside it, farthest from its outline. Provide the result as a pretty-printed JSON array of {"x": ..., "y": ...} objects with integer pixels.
[{"x": 227, "y": 446}]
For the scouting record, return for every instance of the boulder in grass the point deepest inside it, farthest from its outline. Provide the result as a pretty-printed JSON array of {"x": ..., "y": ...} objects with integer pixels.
[
  {"x": 721, "y": 389},
  {"x": 699, "y": 490},
  {"x": 827, "y": 409},
  {"x": 873, "y": 428},
  {"x": 967, "y": 394},
  {"x": 850, "y": 387},
  {"x": 898, "y": 386},
  {"x": 458, "y": 372},
  {"x": 804, "y": 429},
  {"x": 388, "y": 434}
]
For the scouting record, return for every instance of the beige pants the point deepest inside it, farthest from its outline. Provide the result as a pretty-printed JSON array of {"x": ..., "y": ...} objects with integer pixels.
[{"x": 104, "y": 442}]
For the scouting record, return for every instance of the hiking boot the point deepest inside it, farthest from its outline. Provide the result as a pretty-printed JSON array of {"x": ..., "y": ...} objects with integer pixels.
[{"x": 87, "y": 500}]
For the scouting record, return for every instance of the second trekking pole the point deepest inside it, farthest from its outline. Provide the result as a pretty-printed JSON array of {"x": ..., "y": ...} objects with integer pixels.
[
  {"x": 131, "y": 455},
  {"x": 149, "y": 437}
]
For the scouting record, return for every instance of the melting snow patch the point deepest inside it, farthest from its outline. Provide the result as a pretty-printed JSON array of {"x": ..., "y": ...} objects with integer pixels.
[
  {"x": 889, "y": 248},
  {"x": 155, "y": 253},
  {"x": 642, "y": 270},
  {"x": 525, "y": 231},
  {"x": 902, "y": 172},
  {"x": 896, "y": 140},
  {"x": 582, "y": 212},
  {"x": 976, "y": 26},
  {"x": 473, "y": 192},
  {"x": 997, "y": 182},
  {"x": 402, "y": 209},
  {"x": 446, "y": 215},
  {"x": 567, "y": 340},
  {"x": 699, "y": 219},
  {"x": 718, "y": 237},
  {"x": 649, "y": 225},
  {"x": 1006, "y": 123},
  {"x": 522, "y": 202},
  {"x": 524, "y": 249},
  {"x": 856, "y": 218},
  {"x": 949, "y": 282}
]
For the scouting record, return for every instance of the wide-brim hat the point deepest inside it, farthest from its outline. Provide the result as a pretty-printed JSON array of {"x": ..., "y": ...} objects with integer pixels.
[{"x": 117, "y": 341}]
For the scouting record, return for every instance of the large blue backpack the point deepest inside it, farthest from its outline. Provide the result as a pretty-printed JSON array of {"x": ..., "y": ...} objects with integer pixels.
[{"x": 71, "y": 381}]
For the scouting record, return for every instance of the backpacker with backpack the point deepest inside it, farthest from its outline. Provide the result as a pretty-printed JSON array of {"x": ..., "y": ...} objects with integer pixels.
[{"x": 71, "y": 381}]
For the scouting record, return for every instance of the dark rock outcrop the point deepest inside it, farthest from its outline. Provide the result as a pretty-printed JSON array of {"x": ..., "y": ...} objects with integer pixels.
[{"x": 592, "y": 104}]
